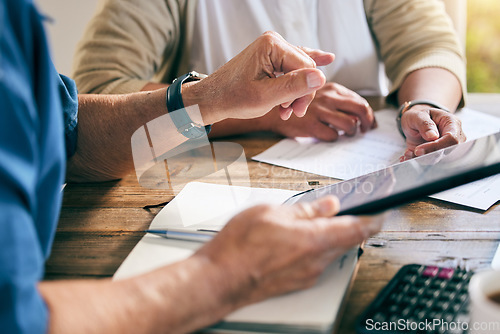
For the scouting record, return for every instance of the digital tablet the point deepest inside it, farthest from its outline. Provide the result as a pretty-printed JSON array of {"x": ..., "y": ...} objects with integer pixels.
[{"x": 413, "y": 179}]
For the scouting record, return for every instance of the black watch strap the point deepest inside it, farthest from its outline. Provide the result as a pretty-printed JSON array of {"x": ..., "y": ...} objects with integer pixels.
[{"x": 180, "y": 117}]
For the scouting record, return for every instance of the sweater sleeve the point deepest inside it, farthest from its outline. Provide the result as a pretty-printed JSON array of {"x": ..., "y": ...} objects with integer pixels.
[
  {"x": 412, "y": 35},
  {"x": 126, "y": 44}
]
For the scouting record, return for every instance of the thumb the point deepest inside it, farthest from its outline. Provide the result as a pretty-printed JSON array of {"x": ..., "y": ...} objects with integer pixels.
[
  {"x": 292, "y": 85},
  {"x": 426, "y": 127},
  {"x": 327, "y": 206}
]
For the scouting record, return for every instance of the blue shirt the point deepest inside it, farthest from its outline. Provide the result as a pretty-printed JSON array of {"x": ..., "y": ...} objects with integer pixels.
[{"x": 38, "y": 111}]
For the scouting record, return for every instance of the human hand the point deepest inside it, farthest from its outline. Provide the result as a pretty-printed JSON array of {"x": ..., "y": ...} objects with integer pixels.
[
  {"x": 334, "y": 110},
  {"x": 270, "y": 250},
  {"x": 429, "y": 129},
  {"x": 251, "y": 84}
]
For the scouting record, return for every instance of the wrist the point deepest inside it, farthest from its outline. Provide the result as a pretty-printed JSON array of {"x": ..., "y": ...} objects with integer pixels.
[
  {"x": 197, "y": 93},
  {"x": 225, "y": 283}
]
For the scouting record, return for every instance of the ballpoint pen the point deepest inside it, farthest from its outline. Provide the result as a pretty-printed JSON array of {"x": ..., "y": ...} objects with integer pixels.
[{"x": 184, "y": 234}]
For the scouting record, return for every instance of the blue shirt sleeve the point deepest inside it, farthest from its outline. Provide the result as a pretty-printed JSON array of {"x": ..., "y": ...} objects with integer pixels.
[
  {"x": 69, "y": 98},
  {"x": 32, "y": 163}
]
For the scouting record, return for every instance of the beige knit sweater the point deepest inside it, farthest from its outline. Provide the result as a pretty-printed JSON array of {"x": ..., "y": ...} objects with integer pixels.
[{"x": 133, "y": 42}]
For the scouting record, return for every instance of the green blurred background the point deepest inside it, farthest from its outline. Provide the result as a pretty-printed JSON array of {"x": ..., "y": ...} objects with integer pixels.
[{"x": 483, "y": 46}]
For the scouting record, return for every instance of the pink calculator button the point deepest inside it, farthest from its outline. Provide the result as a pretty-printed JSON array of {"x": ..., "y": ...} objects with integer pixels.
[
  {"x": 446, "y": 273},
  {"x": 430, "y": 271}
]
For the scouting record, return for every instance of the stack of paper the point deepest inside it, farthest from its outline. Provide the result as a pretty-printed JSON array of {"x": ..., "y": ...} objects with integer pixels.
[{"x": 313, "y": 310}]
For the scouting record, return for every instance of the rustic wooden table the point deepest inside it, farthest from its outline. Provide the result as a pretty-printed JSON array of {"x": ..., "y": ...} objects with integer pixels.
[{"x": 101, "y": 223}]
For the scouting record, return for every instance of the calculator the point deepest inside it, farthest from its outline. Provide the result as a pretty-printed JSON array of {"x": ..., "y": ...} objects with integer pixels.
[{"x": 420, "y": 299}]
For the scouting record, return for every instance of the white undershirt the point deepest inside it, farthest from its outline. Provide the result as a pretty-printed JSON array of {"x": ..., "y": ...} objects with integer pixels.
[{"x": 223, "y": 28}]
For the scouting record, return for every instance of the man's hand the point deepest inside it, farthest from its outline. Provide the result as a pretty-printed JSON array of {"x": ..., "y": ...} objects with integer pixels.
[
  {"x": 334, "y": 110},
  {"x": 269, "y": 72},
  {"x": 270, "y": 250},
  {"x": 429, "y": 129}
]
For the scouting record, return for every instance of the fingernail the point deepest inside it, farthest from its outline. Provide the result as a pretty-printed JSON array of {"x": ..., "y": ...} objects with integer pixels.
[
  {"x": 314, "y": 80},
  {"x": 432, "y": 134},
  {"x": 301, "y": 113},
  {"x": 419, "y": 152},
  {"x": 286, "y": 113},
  {"x": 326, "y": 206}
]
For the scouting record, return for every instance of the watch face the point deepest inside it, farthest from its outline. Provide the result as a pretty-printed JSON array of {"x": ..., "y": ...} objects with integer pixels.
[{"x": 197, "y": 75}]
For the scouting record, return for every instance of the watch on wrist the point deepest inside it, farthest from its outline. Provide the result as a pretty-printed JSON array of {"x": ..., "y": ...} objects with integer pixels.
[
  {"x": 185, "y": 125},
  {"x": 407, "y": 105}
]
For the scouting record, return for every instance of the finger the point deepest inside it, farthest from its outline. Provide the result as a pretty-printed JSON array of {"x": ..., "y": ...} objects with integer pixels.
[
  {"x": 339, "y": 120},
  {"x": 375, "y": 123},
  {"x": 324, "y": 132},
  {"x": 322, "y": 58},
  {"x": 445, "y": 141},
  {"x": 285, "y": 113},
  {"x": 448, "y": 123},
  {"x": 422, "y": 123},
  {"x": 300, "y": 105},
  {"x": 327, "y": 206},
  {"x": 451, "y": 132},
  {"x": 284, "y": 56},
  {"x": 409, "y": 154},
  {"x": 358, "y": 107},
  {"x": 291, "y": 86},
  {"x": 348, "y": 231}
]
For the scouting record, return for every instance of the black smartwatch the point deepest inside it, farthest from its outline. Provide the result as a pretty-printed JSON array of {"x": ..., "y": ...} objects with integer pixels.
[{"x": 180, "y": 117}]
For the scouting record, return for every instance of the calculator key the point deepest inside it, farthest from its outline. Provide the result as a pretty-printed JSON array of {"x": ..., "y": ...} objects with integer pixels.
[
  {"x": 394, "y": 318},
  {"x": 438, "y": 284},
  {"x": 429, "y": 303},
  {"x": 446, "y": 295},
  {"x": 448, "y": 317},
  {"x": 413, "y": 290},
  {"x": 430, "y": 271},
  {"x": 406, "y": 312},
  {"x": 446, "y": 273},
  {"x": 455, "y": 308},
  {"x": 451, "y": 286},
  {"x": 442, "y": 305},
  {"x": 452, "y": 295},
  {"x": 393, "y": 308},
  {"x": 379, "y": 317}
]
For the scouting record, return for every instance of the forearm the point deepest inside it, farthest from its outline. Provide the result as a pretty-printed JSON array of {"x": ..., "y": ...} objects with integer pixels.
[
  {"x": 106, "y": 124},
  {"x": 433, "y": 84},
  {"x": 179, "y": 298}
]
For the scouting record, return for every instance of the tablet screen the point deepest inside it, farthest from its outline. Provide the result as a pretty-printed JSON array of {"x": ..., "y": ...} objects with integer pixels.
[{"x": 412, "y": 179}]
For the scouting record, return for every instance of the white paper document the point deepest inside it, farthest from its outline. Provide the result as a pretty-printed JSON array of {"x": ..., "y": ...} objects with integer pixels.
[
  {"x": 350, "y": 157},
  {"x": 203, "y": 205}
]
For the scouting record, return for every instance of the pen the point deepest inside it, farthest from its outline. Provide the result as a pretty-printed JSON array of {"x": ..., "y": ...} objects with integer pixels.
[{"x": 186, "y": 235}]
